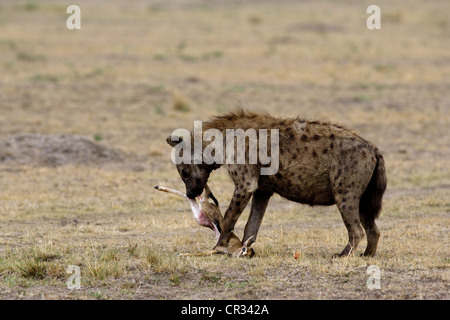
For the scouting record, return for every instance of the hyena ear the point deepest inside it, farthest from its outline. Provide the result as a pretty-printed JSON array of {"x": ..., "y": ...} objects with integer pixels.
[
  {"x": 213, "y": 166},
  {"x": 210, "y": 164},
  {"x": 174, "y": 140}
]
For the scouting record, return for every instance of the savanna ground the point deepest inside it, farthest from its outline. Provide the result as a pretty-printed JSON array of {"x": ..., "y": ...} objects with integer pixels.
[{"x": 134, "y": 73}]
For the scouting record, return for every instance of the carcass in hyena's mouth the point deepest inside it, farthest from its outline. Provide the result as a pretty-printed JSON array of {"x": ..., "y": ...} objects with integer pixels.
[{"x": 207, "y": 214}]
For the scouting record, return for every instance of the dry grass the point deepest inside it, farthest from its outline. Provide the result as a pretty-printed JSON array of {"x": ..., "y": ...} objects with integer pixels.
[{"x": 134, "y": 74}]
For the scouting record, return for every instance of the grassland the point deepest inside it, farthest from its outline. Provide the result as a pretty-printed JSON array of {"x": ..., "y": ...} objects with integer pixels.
[{"x": 133, "y": 74}]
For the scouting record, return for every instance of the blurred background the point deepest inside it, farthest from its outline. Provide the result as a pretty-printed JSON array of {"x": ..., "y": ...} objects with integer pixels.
[
  {"x": 138, "y": 69},
  {"x": 84, "y": 113}
]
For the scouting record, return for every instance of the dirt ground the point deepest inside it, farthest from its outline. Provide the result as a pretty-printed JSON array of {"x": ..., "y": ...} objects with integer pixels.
[{"x": 84, "y": 115}]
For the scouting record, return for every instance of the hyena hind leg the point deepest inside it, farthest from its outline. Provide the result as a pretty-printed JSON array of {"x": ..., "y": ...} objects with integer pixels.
[
  {"x": 350, "y": 215},
  {"x": 372, "y": 233}
]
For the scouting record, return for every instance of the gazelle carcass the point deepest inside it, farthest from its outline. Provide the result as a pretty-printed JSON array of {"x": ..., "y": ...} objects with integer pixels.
[{"x": 207, "y": 214}]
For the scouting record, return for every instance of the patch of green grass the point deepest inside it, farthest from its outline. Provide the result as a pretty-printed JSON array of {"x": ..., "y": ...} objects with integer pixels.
[
  {"x": 237, "y": 88},
  {"x": 159, "y": 110},
  {"x": 212, "y": 55},
  {"x": 203, "y": 57},
  {"x": 238, "y": 284},
  {"x": 45, "y": 78},
  {"x": 210, "y": 277},
  {"x": 157, "y": 88},
  {"x": 154, "y": 8},
  {"x": 132, "y": 249},
  {"x": 25, "y": 56},
  {"x": 98, "y": 137},
  {"x": 8, "y": 65},
  {"x": 181, "y": 46},
  {"x": 97, "y": 295},
  {"x": 221, "y": 108},
  {"x": 362, "y": 98},
  {"x": 94, "y": 73},
  {"x": 30, "y": 6},
  {"x": 351, "y": 46},
  {"x": 383, "y": 68},
  {"x": 11, "y": 44},
  {"x": 160, "y": 56},
  {"x": 174, "y": 279},
  {"x": 363, "y": 85},
  {"x": 188, "y": 58}
]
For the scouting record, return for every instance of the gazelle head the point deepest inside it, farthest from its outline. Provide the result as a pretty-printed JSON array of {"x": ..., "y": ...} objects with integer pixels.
[
  {"x": 206, "y": 211},
  {"x": 207, "y": 214}
]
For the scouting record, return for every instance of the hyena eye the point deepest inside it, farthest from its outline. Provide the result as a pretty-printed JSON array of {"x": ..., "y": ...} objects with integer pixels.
[{"x": 184, "y": 173}]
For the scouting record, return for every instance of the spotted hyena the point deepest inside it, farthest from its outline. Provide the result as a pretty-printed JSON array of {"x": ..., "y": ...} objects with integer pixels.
[{"x": 319, "y": 164}]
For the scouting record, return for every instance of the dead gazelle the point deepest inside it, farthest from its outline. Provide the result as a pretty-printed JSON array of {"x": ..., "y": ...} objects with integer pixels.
[{"x": 207, "y": 214}]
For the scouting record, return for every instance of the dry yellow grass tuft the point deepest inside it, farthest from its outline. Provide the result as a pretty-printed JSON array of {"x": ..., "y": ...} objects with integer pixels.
[
  {"x": 180, "y": 102},
  {"x": 130, "y": 77}
]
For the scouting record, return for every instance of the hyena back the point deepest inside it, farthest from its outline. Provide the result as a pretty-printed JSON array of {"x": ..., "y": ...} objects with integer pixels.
[{"x": 319, "y": 164}]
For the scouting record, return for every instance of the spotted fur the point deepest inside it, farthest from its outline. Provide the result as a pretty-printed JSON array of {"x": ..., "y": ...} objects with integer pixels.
[{"x": 320, "y": 163}]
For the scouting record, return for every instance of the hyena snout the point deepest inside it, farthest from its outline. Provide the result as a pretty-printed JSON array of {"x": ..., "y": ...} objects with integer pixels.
[
  {"x": 193, "y": 192},
  {"x": 195, "y": 186}
]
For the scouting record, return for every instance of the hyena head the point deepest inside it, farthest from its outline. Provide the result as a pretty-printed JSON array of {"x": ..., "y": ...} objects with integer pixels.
[{"x": 194, "y": 176}]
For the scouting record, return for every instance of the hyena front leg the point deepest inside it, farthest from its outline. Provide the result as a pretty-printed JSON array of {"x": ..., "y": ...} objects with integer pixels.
[
  {"x": 238, "y": 203},
  {"x": 259, "y": 204}
]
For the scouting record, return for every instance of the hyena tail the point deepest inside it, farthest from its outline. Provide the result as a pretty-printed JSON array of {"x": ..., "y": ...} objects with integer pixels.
[{"x": 371, "y": 200}]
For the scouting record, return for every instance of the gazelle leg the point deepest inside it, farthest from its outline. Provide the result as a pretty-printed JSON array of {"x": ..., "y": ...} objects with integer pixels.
[
  {"x": 168, "y": 190},
  {"x": 200, "y": 254}
]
